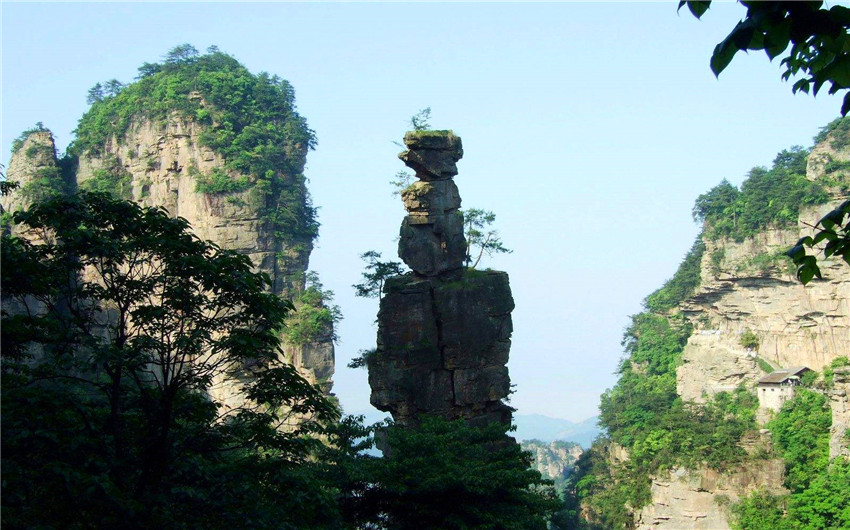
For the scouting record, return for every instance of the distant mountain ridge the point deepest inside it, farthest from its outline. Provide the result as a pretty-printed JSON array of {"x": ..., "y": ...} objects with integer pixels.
[
  {"x": 530, "y": 427},
  {"x": 548, "y": 429}
]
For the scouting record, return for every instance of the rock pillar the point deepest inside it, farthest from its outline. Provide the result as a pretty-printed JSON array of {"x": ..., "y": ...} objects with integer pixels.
[{"x": 443, "y": 331}]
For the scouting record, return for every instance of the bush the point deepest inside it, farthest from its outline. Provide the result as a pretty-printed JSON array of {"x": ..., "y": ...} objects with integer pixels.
[
  {"x": 749, "y": 340},
  {"x": 315, "y": 316}
]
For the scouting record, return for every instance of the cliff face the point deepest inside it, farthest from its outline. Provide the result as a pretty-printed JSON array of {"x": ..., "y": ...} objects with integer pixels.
[
  {"x": 33, "y": 166},
  {"x": 749, "y": 288},
  {"x": 699, "y": 499},
  {"x": 554, "y": 460},
  {"x": 159, "y": 164},
  {"x": 443, "y": 332},
  {"x": 796, "y": 325}
]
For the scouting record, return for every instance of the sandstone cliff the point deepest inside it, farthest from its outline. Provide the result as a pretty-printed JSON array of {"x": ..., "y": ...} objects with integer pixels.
[
  {"x": 554, "y": 460},
  {"x": 699, "y": 499},
  {"x": 748, "y": 288},
  {"x": 158, "y": 163},
  {"x": 35, "y": 169}
]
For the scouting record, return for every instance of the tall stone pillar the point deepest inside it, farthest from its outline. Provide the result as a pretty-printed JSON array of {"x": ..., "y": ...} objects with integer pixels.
[{"x": 443, "y": 331}]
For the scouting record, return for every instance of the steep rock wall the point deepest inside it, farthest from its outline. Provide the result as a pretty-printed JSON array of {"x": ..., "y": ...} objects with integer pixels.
[
  {"x": 796, "y": 325},
  {"x": 554, "y": 460},
  {"x": 749, "y": 286},
  {"x": 699, "y": 499},
  {"x": 160, "y": 163},
  {"x": 35, "y": 157},
  {"x": 163, "y": 161}
]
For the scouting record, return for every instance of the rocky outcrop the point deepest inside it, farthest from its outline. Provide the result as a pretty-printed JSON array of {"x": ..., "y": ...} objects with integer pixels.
[
  {"x": 431, "y": 239},
  {"x": 750, "y": 286},
  {"x": 33, "y": 161},
  {"x": 700, "y": 499},
  {"x": 839, "y": 402},
  {"x": 159, "y": 163},
  {"x": 554, "y": 460},
  {"x": 163, "y": 162},
  {"x": 443, "y": 332}
]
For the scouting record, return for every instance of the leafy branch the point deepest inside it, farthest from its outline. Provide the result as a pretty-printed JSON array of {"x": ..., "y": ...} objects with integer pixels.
[
  {"x": 835, "y": 230},
  {"x": 820, "y": 45}
]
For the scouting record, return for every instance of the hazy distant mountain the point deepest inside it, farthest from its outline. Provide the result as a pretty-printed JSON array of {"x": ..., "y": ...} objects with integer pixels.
[
  {"x": 546, "y": 429},
  {"x": 530, "y": 427}
]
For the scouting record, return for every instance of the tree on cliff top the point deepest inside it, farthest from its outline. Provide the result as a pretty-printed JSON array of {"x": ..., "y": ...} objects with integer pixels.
[
  {"x": 376, "y": 274},
  {"x": 820, "y": 54},
  {"x": 117, "y": 324}
]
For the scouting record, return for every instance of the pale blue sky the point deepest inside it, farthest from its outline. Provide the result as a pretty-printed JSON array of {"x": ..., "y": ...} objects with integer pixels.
[{"x": 589, "y": 128}]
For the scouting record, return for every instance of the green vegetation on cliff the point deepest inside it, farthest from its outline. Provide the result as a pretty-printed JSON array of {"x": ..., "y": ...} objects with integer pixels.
[
  {"x": 315, "y": 315},
  {"x": 644, "y": 415},
  {"x": 250, "y": 120},
  {"x": 767, "y": 198},
  {"x": 818, "y": 487},
  {"x": 109, "y": 422},
  {"x": 650, "y": 429}
]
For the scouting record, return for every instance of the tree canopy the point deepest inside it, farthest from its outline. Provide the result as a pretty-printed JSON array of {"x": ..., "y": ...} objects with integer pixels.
[{"x": 118, "y": 324}]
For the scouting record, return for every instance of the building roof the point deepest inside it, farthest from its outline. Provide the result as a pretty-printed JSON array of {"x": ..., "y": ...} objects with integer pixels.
[{"x": 780, "y": 376}]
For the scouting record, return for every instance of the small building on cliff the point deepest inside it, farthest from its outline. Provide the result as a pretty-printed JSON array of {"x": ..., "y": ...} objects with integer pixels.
[{"x": 777, "y": 387}]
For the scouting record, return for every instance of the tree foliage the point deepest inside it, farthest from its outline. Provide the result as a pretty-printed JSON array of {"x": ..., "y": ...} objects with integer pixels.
[
  {"x": 375, "y": 274},
  {"x": 117, "y": 324},
  {"x": 449, "y": 475},
  {"x": 818, "y": 498},
  {"x": 768, "y": 197},
  {"x": 421, "y": 121},
  {"x": 481, "y": 238},
  {"x": 315, "y": 316},
  {"x": 18, "y": 142},
  {"x": 801, "y": 433},
  {"x": 834, "y": 230},
  {"x": 683, "y": 283},
  {"x": 820, "y": 45},
  {"x": 250, "y": 120}
]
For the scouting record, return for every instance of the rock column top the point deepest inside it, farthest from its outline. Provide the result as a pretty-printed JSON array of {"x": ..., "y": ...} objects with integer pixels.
[
  {"x": 431, "y": 239},
  {"x": 433, "y": 155}
]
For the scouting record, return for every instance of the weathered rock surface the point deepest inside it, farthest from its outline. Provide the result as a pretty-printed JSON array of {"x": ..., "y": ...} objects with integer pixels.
[
  {"x": 36, "y": 154},
  {"x": 443, "y": 333},
  {"x": 442, "y": 348},
  {"x": 750, "y": 286},
  {"x": 554, "y": 460},
  {"x": 162, "y": 161},
  {"x": 433, "y": 155},
  {"x": 699, "y": 499},
  {"x": 431, "y": 238},
  {"x": 839, "y": 442}
]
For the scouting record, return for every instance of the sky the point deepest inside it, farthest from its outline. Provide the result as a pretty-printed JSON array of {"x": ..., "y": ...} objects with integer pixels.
[{"x": 588, "y": 128}]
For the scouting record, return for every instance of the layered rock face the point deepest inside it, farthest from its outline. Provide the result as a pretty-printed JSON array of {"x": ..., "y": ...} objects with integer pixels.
[
  {"x": 699, "y": 499},
  {"x": 554, "y": 460},
  {"x": 443, "y": 332},
  {"x": 160, "y": 163},
  {"x": 749, "y": 286},
  {"x": 744, "y": 289},
  {"x": 796, "y": 325},
  {"x": 839, "y": 402}
]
